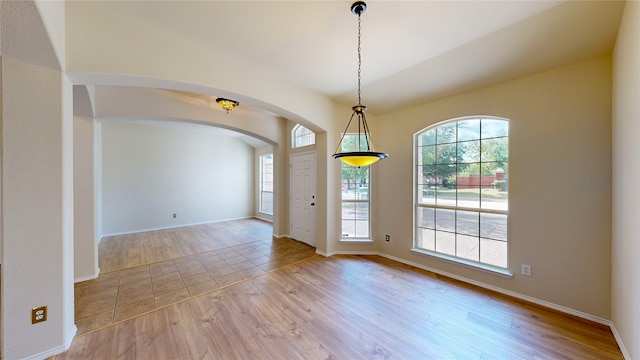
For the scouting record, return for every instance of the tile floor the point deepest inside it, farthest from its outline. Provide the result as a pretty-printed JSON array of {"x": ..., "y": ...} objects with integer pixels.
[{"x": 123, "y": 294}]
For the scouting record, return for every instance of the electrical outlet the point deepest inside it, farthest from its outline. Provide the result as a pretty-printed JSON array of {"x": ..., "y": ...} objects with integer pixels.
[
  {"x": 39, "y": 314},
  {"x": 175, "y": 216},
  {"x": 525, "y": 269},
  {"x": 387, "y": 238}
]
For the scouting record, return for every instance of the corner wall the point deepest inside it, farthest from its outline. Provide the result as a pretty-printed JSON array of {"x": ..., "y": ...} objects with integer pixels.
[
  {"x": 37, "y": 201},
  {"x": 85, "y": 236},
  {"x": 37, "y": 181},
  {"x": 625, "y": 289}
]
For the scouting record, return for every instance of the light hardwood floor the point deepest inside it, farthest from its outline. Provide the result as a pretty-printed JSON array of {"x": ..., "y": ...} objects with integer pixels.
[{"x": 349, "y": 307}]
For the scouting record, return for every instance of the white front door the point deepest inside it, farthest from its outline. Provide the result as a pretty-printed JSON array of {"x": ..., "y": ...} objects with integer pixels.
[{"x": 303, "y": 197}]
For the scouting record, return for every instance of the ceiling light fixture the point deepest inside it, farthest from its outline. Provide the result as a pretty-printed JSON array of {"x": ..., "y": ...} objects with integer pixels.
[
  {"x": 227, "y": 104},
  {"x": 364, "y": 154}
]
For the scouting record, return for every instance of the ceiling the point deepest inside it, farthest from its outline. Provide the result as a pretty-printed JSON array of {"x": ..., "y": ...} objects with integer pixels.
[{"x": 412, "y": 51}]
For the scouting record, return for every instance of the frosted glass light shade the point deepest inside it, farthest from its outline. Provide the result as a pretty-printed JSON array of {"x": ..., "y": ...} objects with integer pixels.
[{"x": 360, "y": 158}]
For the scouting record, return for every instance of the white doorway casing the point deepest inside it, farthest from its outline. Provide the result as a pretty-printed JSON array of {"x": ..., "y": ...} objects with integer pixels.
[{"x": 303, "y": 199}]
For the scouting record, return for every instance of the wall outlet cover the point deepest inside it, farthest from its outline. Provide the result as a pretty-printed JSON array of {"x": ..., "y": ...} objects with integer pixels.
[{"x": 39, "y": 314}]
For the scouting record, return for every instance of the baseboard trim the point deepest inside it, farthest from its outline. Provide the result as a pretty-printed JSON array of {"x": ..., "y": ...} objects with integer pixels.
[
  {"x": 48, "y": 353},
  {"x": 616, "y": 335},
  {"x": 340, "y": 252},
  {"x": 56, "y": 350},
  {"x": 265, "y": 219},
  {"x": 500, "y": 290},
  {"x": 87, "y": 277},
  {"x": 69, "y": 337},
  {"x": 176, "y": 226}
]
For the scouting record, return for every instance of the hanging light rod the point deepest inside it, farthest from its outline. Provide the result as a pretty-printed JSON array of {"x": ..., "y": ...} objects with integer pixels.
[
  {"x": 227, "y": 104},
  {"x": 364, "y": 154}
]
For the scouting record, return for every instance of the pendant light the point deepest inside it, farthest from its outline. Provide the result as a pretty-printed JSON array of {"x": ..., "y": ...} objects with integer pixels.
[
  {"x": 364, "y": 154},
  {"x": 227, "y": 104}
]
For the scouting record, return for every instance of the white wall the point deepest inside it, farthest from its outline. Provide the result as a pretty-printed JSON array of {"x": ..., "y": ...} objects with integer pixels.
[
  {"x": 560, "y": 182},
  {"x": 625, "y": 289},
  {"x": 37, "y": 224},
  {"x": 37, "y": 183},
  {"x": 150, "y": 173},
  {"x": 85, "y": 235}
]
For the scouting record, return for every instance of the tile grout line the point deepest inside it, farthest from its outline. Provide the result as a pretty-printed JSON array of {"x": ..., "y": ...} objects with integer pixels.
[
  {"x": 183, "y": 256},
  {"x": 262, "y": 247},
  {"x": 196, "y": 296}
]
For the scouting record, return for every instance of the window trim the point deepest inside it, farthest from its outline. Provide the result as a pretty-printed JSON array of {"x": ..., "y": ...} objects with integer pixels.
[
  {"x": 477, "y": 265},
  {"x": 505, "y": 272},
  {"x": 356, "y": 240},
  {"x": 261, "y": 183},
  {"x": 294, "y": 136}
]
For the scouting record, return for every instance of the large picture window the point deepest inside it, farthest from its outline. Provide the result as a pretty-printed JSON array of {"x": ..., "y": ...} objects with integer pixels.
[
  {"x": 266, "y": 183},
  {"x": 355, "y": 196},
  {"x": 462, "y": 190}
]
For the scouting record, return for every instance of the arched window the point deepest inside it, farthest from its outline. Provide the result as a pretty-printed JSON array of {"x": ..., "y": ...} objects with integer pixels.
[
  {"x": 462, "y": 188},
  {"x": 301, "y": 136}
]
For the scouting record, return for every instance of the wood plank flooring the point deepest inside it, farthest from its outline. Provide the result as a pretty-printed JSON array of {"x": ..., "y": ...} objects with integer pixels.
[{"x": 349, "y": 307}]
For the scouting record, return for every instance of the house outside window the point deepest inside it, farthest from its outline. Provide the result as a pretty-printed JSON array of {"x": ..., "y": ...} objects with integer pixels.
[
  {"x": 355, "y": 187},
  {"x": 461, "y": 186},
  {"x": 266, "y": 184},
  {"x": 301, "y": 136}
]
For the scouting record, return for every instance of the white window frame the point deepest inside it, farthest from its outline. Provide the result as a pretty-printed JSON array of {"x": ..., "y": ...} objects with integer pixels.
[
  {"x": 262, "y": 182},
  {"x": 358, "y": 201},
  {"x": 458, "y": 209},
  {"x": 306, "y": 137}
]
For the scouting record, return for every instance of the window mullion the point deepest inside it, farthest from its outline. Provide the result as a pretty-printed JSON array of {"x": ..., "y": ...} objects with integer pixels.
[{"x": 454, "y": 158}]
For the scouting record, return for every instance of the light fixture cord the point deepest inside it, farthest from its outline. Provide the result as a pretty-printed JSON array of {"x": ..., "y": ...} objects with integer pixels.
[
  {"x": 359, "y": 77},
  {"x": 359, "y": 61}
]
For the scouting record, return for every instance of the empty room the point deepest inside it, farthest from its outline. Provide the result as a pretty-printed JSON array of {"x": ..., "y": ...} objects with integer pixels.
[{"x": 319, "y": 179}]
